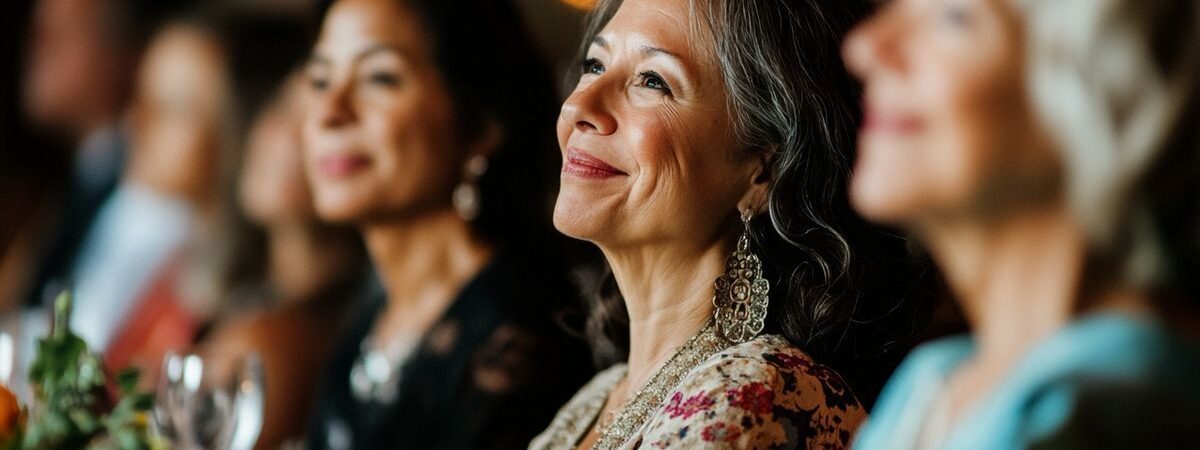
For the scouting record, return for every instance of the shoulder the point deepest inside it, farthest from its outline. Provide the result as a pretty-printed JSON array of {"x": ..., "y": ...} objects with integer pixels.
[
  {"x": 908, "y": 390},
  {"x": 764, "y": 393},
  {"x": 1083, "y": 386}
]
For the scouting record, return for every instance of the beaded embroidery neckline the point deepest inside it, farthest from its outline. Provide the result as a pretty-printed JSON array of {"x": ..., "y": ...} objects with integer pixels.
[{"x": 571, "y": 427}]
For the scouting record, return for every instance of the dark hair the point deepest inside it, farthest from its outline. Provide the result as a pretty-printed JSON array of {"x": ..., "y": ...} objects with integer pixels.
[
  {"x": 260, "y": 49},
  {"x": 848, "y": 294},
  {"x": 132, "y": 23},
  {"x": 467, "y": 38}
]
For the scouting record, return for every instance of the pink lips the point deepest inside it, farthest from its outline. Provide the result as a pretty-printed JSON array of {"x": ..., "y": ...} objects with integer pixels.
[
  {"x": 583, "y": 165},
  {"x": 876, "y": 122},
  {"x": 342, "y": 165}
]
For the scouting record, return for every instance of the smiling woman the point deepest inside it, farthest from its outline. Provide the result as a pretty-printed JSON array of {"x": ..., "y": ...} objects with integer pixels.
[
  {"x": 430, "y": 131},
  {"x": 1045, "y": 152},
  {"x": 706, "y": 152}
]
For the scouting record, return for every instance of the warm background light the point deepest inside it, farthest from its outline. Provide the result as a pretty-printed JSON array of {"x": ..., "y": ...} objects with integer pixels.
[{"x": 581, "y": 4}]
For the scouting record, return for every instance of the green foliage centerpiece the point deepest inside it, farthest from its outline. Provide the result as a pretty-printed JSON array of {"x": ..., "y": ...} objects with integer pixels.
[{"x": 77, "y": 404}]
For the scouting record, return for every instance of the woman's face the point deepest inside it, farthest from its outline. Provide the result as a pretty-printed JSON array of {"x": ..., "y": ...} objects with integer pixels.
[
  {"x": 948, "y": 130},
  {"x": 380, "y": 139},
  {"x": 176, "y": 115},
  {"x": 272, "y": 187},
  {"x": 649, "y": 155}
]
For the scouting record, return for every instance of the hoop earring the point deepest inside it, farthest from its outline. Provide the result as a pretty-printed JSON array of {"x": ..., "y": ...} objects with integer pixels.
[
  {"x": 740, "y": 300},
  {"x": 466, "y": 194}
]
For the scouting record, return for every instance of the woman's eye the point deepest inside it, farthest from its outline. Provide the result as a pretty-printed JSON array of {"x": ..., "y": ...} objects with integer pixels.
[
  {"x": 383, "y": 79},
  {"x": 592, "y": 66},
  {"x": 652, "y": 80},
  {"x": 318, "y": 84}
]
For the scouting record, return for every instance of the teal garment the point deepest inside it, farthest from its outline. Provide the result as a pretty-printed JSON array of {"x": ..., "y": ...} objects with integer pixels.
[{"x": 1107, "y": 381}]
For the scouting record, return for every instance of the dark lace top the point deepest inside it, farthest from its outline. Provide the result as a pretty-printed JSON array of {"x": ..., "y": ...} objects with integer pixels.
[{"x": 488, "y": 375}]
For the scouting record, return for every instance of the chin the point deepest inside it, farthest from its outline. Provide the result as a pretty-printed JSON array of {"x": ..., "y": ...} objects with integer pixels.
[
  {"x": 877, "y": 207},
  {"x": 571, "y": 223},
  {"x": 574, "y": 219},
  {"x": 882, "y": 195},
  {"x": 340, "y": 207}
]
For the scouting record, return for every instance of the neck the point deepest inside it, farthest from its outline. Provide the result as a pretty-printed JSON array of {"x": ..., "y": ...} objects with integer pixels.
[
  {"x": 668, "y": 293},
  {"x": 303, "y": 259},
  {"x": 422, "y": 256},
  {"x": 1017, "y": 279}
]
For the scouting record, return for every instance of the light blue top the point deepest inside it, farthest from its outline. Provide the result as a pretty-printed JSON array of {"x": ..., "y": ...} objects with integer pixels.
[{"x": 1104, "y": 381}]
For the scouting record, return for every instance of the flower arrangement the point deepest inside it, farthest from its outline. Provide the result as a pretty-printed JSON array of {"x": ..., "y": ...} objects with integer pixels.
[{"x": 76, "y": 403}]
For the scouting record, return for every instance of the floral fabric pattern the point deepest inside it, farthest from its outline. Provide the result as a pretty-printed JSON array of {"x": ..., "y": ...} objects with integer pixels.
[{"x": 762, "y": 394}]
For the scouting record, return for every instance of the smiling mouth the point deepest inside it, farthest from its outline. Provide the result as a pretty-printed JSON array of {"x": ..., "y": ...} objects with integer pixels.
[
  {"x": 583, "y": 165},
  {"x": 343, "y": 165},
  {"x": 875, "y": 121}
]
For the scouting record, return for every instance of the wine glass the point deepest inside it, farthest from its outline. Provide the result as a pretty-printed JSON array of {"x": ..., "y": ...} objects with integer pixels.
[
  {"x": 197, "y": 409},
  {"x": 18, "y": 340}
]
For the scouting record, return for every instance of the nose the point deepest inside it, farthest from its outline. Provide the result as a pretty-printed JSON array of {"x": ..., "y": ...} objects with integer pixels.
[
  {"x": 873, "y": 45},
  {"x": 334, "y": 107},
  {"x": 588, "y": 110}
]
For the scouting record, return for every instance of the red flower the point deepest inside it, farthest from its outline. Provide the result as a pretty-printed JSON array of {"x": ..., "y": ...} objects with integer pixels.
[
  {"x": 687, "y": 408},
  {"x": 755, "y": 397},
  {"x": 788, "y": 361},
  {"x": 719, "y": 432}
]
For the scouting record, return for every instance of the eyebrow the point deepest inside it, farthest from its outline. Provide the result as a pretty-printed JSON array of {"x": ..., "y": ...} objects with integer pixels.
[
  {"x": 646, "y": 50},
  {"x": 649, "y": 50}
]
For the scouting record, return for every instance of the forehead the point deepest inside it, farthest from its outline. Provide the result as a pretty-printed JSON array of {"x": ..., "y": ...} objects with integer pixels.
[
  {"x": 669, "y": 24},
  {"x": 352, "y": 24}
]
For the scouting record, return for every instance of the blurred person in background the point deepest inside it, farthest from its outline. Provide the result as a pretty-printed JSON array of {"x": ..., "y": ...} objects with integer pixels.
[
  {"x": 79, "y": 76},
  {"x": 163, "y": 257},
  {"x": 298, "y": 284},
  {"x": 77, "y": 80},
  {"x": 431, "y": 132},
  {"x": 1047, "y": 154},
  {"x": 33, "y": 168}
]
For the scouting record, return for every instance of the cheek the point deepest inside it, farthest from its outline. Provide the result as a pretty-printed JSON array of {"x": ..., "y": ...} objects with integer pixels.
[
  {"x": 999, "y": 158},
  {"x": 563, "y": 128},
  {"x": 677, "y": 167},
  {"x": 943, "y": 166},
  {"x": 342, "y": 201},
  {"x": 334, "y": 200},
  {"x": 417, "y": 157},
  {"x": 273, "y": 185},
  {"x": 684, "y": 172}
]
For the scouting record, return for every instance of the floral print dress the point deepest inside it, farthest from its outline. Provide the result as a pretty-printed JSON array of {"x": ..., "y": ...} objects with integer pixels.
[{"x": 761, "y": 394}]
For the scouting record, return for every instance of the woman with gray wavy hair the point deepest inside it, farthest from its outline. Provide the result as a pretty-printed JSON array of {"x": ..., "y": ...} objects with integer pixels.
[
  {"x": 1047, "y": 153},
  {"x": 706, "y": 152}
]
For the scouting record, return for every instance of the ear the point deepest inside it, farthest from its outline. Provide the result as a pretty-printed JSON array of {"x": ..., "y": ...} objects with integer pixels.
[{"x": 755, "y": 198}]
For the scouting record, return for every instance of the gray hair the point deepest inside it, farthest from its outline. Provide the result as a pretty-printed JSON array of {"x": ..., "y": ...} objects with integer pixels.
[
  {"x": 839, "y": 288},
  {"x": 1118, "y": 84}
]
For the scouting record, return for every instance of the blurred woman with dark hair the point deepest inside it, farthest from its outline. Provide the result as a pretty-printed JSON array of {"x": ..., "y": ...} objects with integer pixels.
[
  {"x": 1047, "y": 153},
  {"x": 206, "y": 74},
  {"x": 431, "y": 131},
  {"x": 298, "y": 277}
]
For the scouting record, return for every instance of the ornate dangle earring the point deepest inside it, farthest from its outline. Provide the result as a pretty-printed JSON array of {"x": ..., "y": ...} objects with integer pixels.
[
  {"x": 466, "y": 194},
  {"x": 740, "y": 301}
]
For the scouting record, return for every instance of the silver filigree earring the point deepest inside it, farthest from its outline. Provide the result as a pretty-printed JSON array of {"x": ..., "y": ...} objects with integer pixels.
[
  {"x": 466, "y": 194},
  {"x": 740, "y": 301}
]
